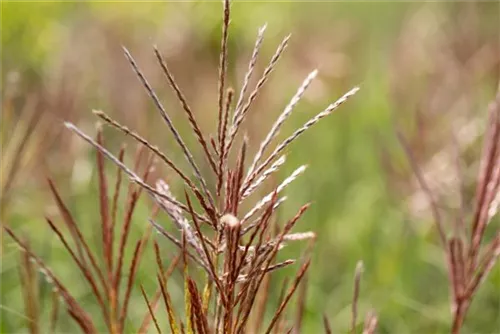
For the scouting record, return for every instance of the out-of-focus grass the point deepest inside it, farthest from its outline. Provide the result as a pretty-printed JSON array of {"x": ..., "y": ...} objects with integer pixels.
[{"x": 422, "y": 67}]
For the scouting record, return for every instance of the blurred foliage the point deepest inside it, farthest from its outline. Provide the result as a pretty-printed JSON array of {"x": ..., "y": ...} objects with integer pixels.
[{"x": 428, "y": 69}]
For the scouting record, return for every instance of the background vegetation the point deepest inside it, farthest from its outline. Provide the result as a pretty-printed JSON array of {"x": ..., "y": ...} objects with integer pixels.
[{"x": 428, "y": 70}]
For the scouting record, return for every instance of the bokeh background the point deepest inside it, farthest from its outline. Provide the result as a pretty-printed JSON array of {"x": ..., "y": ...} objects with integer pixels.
[{"x": 427, "y": 70}]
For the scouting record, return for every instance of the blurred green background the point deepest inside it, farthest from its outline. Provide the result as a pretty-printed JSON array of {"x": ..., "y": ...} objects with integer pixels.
[{"x": 428, "y": 70}]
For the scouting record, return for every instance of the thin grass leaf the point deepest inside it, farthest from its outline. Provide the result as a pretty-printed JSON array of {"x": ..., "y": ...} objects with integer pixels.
[{"x": 151, "y": 311}]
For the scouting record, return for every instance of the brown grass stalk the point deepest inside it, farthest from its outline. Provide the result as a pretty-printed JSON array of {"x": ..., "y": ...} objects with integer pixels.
[
  {"x": 178, "y": 243},
  {"x": 223, "y": 69},
  {"x": 75, "y": 232},
  {"x": 208, "y": 209},
  {"x": 116, "y": 195},
  {"x": 168, "y": 305},
  {"x": 186, "y": 108},
  {"x": 279, "y": 189},
  {"x": 138, "y": 252},
  {"x": 279, "y": 322},
  {"x": 208, "y": 256},
  {"x": 237, "y": 267},
  {"x": 131, "y": 174},
  {"x": 425, "y": 188},
  {"x": 86, "y": 273},
  {"x": 466, "y": 268},
  {"x": 282, "y": 306},
  {"x": 163, "y": 276},
  {"x": 27, "y": 275},
  {"x": 196, "y": 302},
  {"x": 268, "y": 258},
  {"x": 326, "y": 325},
  {"x": 253, "y": 95},
  {"x": 249, "y": 72},
  {"x": 222, "y": 146},
  {"x": 355, "y": 296},
  {"x": 488, "y": 181},
  {"x": 81, "y": 317},
  {"x": 132, "y": 198},
  {"x": 54, "y": 314},
  {"x": 260, "y": 306},
  {"x": 104, "y": 209},
  {"x": 168, "y": 121}
]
